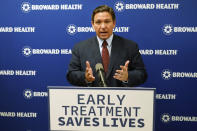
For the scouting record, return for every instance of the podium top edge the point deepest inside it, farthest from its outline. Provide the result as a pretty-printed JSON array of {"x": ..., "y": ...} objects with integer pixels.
[{"x": 102, "y": 88}]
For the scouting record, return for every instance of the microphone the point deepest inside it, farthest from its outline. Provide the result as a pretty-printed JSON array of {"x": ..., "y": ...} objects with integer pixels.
[{"x": 101, "y": 74}]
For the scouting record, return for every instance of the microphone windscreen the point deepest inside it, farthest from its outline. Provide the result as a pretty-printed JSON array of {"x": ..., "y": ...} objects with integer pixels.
[{"x": 99, "y": 66}]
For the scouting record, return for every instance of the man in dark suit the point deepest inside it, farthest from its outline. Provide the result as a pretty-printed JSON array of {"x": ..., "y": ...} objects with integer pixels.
[{"x": 123, "y": 65}]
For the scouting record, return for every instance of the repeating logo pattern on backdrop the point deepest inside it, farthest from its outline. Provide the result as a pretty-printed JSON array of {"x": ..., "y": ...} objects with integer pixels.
[
  {"x": 165, "y": 118},
  {"x": 119, "y": 6},
  {"x": 169, "y": 29},
  {"x": 26, "y": 7},
  {"x": 29, "y": 94},
  {"x": 28, "y": 51},
  {"x": 167, "y": 74},
  {"x": 72, "y": 29}
]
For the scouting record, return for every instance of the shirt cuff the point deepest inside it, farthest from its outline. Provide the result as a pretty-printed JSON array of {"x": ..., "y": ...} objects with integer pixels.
[
  {"x": 87, "y": 82},
  {"x": 125, "y": 82}
]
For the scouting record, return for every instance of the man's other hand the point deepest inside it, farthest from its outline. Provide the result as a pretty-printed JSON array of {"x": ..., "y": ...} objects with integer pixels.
[
  {"x": 122, "y": 74},
  {"x": 88, "y": 73}
]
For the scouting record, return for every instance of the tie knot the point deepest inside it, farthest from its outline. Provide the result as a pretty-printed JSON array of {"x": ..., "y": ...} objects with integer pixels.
[{"x": 105, "y": 43}]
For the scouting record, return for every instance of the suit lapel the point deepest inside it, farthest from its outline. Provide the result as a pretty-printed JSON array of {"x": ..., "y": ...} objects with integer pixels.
[
  {"x": 115, "y": 52},
  {"x": 96, "y": 55}
]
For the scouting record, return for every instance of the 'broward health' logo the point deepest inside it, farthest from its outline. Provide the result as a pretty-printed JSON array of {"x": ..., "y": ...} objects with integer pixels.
[
  {"x": 28, "y": 94},
  {"x": 27, "y": 51},
  {"x": 26, "y": 7},
  {"x": 165, "y": 118},
  {"x": 167, "y": 29},
  {"x": 166, "y": 74},
  {"x": 71, "y": 29},
  {"x": 119, "y": 6}
]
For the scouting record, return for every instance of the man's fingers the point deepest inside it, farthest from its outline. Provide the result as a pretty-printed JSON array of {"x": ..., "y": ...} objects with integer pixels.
[
  {"x": 116, "y": 76},
  {"x": 88, "y": 64},
  {"x": 119, "y": 71},
  {"x": 127, "y": 63},
  {"x": 89, "y": 72},
  {"x": 88, "y": 68},
  {"x": 125, "y": 67},
  {"x": 122, "y": 74},
  {"x": 91, "y": 78},
  {"x": 121, "y": 67}
]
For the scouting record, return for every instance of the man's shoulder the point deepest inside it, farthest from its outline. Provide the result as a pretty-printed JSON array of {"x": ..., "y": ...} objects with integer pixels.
[
  {"x": 124, "y": 40},
  {"x": 86, "y": 42}
]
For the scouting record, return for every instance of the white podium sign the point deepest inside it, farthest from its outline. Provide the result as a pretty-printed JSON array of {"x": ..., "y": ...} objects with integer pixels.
[{"x": 101, "y": 109}]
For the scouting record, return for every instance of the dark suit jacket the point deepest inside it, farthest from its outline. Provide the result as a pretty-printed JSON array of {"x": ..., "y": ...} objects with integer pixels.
[{"x": 121, "y": 51}]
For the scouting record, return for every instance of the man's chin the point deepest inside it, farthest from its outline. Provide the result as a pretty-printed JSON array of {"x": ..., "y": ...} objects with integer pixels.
[{"x": 104, "y": 37}]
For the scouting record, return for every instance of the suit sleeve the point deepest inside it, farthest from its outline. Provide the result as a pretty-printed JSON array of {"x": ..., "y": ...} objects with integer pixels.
[
  {"x": 75, "y": 74},
  {"x": 136, "y": 71}
]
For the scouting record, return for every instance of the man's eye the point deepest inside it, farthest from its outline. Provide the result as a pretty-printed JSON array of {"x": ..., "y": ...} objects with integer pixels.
[
  {"x": 97, "y": 22},
  {"x": 107, "y": 21}
]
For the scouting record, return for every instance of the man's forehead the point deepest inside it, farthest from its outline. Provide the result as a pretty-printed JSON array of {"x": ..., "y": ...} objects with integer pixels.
[
  {"x": 103, "y": 15},
  {"x": 100, "y": 18}
]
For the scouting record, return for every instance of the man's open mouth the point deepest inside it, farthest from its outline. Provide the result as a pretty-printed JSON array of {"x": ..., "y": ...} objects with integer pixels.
[{"x": 103, "y": 32}]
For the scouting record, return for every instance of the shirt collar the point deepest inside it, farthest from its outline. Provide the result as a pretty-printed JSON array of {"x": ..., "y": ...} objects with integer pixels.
[{"x": 109, "y": 40}]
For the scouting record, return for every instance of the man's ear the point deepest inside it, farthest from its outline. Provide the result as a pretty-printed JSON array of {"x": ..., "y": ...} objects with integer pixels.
[
  {"x": 114, "y": 23},
  {"x": 92, "y": 22}
]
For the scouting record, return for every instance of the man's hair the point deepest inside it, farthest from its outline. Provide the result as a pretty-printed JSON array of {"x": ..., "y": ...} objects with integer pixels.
[{"x": 104, "y": 8}]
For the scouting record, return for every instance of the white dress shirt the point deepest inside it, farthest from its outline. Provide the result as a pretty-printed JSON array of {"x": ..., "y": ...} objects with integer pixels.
[{"x": 109, "y": 44}]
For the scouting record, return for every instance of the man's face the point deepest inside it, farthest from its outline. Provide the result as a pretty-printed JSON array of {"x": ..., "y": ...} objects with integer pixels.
[{"x": 103, "y": 24}]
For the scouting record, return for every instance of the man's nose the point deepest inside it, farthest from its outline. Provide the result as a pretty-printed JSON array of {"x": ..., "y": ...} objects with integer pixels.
[{"x": 103, "y": 25}]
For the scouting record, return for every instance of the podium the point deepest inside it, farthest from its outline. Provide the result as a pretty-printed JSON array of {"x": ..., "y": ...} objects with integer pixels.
[{"x": 101, "y": 108}]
